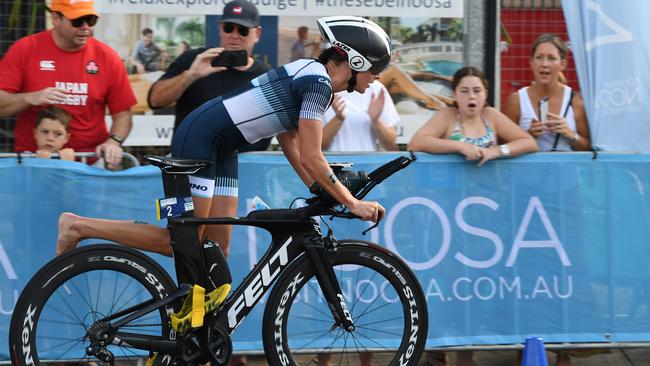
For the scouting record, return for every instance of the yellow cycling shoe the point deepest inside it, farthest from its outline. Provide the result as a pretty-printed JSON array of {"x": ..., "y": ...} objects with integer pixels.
[{"x": 196, "y": 305}]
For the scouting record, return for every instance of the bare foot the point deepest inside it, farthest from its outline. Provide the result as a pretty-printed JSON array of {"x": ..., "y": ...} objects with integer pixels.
[{"x": 69, "y": 236}]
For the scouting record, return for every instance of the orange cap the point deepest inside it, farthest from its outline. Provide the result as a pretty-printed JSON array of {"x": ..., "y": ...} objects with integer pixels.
[{"x": 73, "y": 9}]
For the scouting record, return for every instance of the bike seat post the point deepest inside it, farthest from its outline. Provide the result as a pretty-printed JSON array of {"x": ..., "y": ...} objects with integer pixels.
[{"x": 188, "y": 253}]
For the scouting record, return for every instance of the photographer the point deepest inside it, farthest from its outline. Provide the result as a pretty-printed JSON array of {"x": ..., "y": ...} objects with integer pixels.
[{"x": 191, "y": 80}]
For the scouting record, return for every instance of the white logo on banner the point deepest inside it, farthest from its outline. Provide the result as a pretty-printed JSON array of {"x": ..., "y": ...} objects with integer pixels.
[
  {"x": 6, "y": 264},
  {"x": 11, "y": 274},
  {"x": 621, "y": 34}
]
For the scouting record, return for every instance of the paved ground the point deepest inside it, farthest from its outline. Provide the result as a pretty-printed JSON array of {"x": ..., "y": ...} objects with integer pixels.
[{"x": 616, "y": 357}]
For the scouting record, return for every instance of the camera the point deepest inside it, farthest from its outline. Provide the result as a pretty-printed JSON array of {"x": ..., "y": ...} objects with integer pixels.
[{"x": 231, "y": 58}]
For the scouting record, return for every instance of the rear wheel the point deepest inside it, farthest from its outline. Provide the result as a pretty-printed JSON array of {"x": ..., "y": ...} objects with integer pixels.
[
  {"x": 72, "y": 292},
  {"x": 383, "y": 296}
]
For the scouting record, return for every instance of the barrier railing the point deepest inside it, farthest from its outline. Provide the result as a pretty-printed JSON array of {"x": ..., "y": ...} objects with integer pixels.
[{"x": 83, "y": 156}]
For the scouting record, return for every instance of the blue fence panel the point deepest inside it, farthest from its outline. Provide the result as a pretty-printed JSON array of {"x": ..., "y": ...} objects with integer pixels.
[{"x": 552, "y": 245}]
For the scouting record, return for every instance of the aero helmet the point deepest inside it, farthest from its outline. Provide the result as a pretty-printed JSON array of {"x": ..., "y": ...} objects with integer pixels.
[{"x": 366, "y": 44}]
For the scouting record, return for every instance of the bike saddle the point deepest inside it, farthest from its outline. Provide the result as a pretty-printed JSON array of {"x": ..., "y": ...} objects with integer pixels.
[{"x": 177, "y": 166}]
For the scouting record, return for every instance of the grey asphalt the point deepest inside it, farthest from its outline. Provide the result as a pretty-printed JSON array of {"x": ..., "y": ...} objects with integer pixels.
[{"x": 615, "y": 357}]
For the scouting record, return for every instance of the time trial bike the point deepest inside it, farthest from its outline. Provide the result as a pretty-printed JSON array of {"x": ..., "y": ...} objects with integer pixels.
[{"x": 106, "y": 302}]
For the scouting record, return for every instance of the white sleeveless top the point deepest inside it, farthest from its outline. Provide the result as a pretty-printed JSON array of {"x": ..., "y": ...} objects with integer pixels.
[{"x": 528, "y": 113}]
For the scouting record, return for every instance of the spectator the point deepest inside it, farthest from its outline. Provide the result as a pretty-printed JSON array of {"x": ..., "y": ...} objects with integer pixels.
[
  {"x": 146, "y": 55},
  {"x": 191, "y": 81},
  {"x": 472, "y": 128},
  {"x": 52, "y": 132},
  {"x": 566, "y": 127},
  {"x": 68, "y": 67},
  {"x": 361, "y": 122},
  {"x": 182, "y": 48},
  {"x": 298, "y": 48}
]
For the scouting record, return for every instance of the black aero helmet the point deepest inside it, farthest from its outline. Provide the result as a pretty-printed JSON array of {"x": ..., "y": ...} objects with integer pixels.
[{"x": 366, "y": 44}]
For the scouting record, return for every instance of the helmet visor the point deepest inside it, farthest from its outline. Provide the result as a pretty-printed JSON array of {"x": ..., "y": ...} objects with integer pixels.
[
  {"x": 379, "y": 65},
  {"x": 360, "y": 63}
]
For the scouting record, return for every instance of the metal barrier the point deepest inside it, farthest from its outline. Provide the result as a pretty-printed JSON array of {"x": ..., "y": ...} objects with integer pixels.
[{"x": 83, "y": 156}]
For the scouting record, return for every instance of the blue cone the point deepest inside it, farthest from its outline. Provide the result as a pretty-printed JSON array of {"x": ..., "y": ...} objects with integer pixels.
[{"x": 534, "y": 353}]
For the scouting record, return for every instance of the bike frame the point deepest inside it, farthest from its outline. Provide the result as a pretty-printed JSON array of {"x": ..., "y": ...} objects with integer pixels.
[{"x": 292, "y": 236}]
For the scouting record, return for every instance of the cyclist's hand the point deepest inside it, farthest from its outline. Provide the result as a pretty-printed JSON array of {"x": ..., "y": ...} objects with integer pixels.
[{"x": 368, "y": 211}]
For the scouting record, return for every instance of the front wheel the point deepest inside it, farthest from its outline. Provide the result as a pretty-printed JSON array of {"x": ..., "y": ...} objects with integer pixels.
[
  {"x": 383, "y": 296},
  {"x": 72, "y": 292}
]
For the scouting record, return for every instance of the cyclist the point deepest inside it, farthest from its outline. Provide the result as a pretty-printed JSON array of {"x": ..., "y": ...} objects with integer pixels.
[{"x": 288, "y": 102}]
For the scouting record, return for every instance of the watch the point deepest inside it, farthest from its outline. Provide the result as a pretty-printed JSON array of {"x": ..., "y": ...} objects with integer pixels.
[
  {"x": 505, "y": 150},
  {"x": 117, "y": 138},
  {"x": 575, "y": 139}
]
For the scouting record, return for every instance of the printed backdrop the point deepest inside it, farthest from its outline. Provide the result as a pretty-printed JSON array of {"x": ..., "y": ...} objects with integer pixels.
[{"x": 551, "y": 245}]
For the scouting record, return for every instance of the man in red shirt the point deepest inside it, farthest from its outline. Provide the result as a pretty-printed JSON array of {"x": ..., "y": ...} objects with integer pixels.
[{"x": 67, "y": 67}]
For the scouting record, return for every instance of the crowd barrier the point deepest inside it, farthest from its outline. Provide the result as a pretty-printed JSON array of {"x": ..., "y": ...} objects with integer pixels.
[
  {"x": 81, "y": 156},
  {"x": 549, "y": 245}
]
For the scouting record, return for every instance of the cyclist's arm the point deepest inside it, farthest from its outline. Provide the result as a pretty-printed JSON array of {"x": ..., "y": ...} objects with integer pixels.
[
  {"x": 289, "y": 143},
  {"x": 310, "y": 134}
]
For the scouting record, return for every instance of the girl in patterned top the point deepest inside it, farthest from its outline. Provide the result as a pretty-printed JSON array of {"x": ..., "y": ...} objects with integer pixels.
[{"x": 472, "y": 128}]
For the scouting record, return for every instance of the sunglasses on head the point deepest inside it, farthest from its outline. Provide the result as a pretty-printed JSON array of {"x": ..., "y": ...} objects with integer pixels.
[
  {"x": 229, "y": 27},
  {"x": 91, "y": 20}
]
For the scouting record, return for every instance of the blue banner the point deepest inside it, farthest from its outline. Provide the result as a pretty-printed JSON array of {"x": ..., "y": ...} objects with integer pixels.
[
  {"x": 551, "y": 245},
  {"x": 610, "y": 40}
]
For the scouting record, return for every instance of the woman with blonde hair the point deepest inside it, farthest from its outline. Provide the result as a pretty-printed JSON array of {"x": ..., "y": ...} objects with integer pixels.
[{"x": 564, "y": 127}]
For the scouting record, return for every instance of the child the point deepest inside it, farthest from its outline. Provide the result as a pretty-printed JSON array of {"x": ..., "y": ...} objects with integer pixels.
[
  {"x": 51, "y": 133},
  {"x": 472, "y": 128}
]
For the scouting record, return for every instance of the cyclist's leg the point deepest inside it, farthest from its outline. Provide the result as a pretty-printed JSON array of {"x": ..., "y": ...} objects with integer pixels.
[
  {"x": 217, "y": 206},
  {"x": 224, "y": 201},
  {"x": 222, "y": 206},
  {"x": 136, "y": 234}
]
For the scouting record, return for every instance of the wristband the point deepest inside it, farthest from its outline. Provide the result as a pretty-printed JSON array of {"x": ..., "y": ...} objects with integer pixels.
[
  {"x": 504, "y": 150},
  {"x": 575, "y": 139},
  {"x": 117, "y": 138}
]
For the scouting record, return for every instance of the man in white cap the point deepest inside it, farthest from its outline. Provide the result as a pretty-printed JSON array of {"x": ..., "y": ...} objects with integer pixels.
[{"x": 66, "y": 66}]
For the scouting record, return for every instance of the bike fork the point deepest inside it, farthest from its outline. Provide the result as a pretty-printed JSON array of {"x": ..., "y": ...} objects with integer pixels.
[{"x": 329, "y": 284}]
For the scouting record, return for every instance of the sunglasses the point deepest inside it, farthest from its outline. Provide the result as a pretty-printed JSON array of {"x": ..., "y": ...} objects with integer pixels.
[
  {"x": 229, "y": 27},
  {"x": 91, "y": 20}
]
